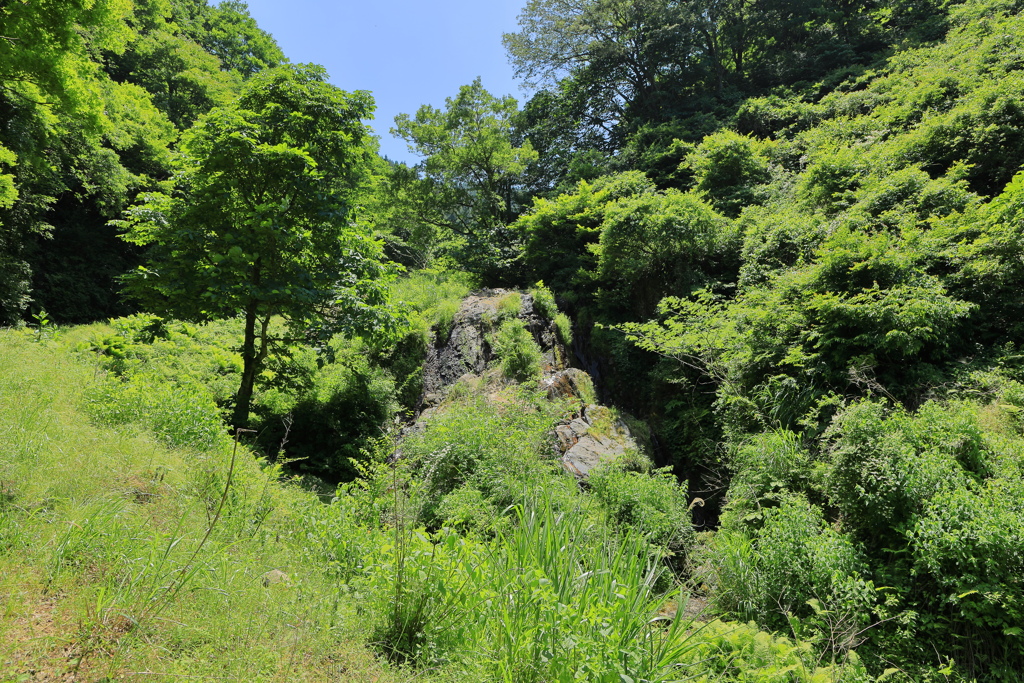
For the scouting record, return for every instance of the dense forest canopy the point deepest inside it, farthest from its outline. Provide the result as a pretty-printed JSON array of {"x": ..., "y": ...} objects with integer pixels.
[
  {"x": 94, "y": 97},
  {"x": 788, "y": 234}
]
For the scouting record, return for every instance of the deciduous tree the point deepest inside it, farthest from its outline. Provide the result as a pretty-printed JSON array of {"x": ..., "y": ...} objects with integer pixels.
[
  {"x": 468, "y": 180},
  {"x": 260, "y": 224}
]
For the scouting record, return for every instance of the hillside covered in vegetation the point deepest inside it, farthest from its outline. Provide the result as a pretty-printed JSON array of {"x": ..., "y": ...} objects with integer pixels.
[{"x": 699, "y": 364}]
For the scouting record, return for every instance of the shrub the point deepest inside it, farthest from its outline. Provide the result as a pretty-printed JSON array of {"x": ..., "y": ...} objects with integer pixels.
[
  {"x": 654, "y": 504},
  {"x": 563, "y": 326},
  {"x": 178, "y": 414},
  {"x": 885, "y": 466},
  {"x": 665, "y": 244},
  {"x": 495, "y": 448},
  {"x": 543, "y": 300},
  {"x": 742, "y": 652},
  {"x": 794, "y": 562},
  {"x": 433, "y": 296},
  {"x": 968, "y": 542},
  {"x": 509, "y": 306},
  {"x": 518, "y": 353},
  {"x": 545, "y": 601},
  {"x": 728, "y": 168},
  {"x": 764, "y": 467},
  {"x": 330, "y": 425},
  {"x": 335, "y": 537}
]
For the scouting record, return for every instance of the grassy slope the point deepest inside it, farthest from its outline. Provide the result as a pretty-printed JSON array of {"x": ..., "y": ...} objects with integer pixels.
[
  {"x": 121, "y": 559},
  {"x": 98, "y": 530}
]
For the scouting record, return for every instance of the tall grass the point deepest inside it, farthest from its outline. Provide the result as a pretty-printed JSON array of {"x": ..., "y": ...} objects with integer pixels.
[
  {"x": 104, "y": 572},
  {"x": 547, "y": 600},
  {"x": 432, "y": 296},
  {"x": 565, "y": 610}
]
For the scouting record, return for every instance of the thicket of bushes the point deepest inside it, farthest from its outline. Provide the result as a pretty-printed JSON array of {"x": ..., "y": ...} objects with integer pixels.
[
  {"x": 546, "y": 581},
  {"x": 813, "y": 294},
  {"x": 318, "y": 407}
]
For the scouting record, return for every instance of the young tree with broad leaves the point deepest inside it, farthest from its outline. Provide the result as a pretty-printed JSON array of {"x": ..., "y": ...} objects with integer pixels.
[
  {"x": 468, "y": 185},
  {"x": 260, "y": 224}
]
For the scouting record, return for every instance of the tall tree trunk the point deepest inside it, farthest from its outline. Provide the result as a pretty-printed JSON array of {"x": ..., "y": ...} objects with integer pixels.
[{"x": 252, "y": 360}]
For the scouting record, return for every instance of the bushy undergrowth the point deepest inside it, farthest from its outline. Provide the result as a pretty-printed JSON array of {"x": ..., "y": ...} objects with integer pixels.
[
  {"x": 120, "y": 554},
  {"x": 518, "y": 353},
  {"x": 547, "y": 600},
  {"x": 478, "y": 457},
  {"x": 318, "y": 409},
  {"x": 203, "y": 562},
  {"x": 894, "y": 530},
  {"x": 182, "y": 414},
  {"x": 652, "y": 504},
  {"x": 433, "y": 296}
]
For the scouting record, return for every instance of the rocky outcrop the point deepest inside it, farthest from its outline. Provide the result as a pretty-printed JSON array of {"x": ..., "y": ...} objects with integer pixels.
[
  {"x": 598, "y": 435},
  {"x": 465, "y": 347},
  {"x": 463, "y": 354},
  {"x": 569, "y": 383}
]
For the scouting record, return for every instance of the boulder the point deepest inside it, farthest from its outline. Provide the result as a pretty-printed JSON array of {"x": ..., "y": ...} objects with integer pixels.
[
  {"x": 462, "y": 355},
  {"x": 275, "y": 576},
  {"x": 569, "y": 383},
  {"x": 598, "y": 436}
]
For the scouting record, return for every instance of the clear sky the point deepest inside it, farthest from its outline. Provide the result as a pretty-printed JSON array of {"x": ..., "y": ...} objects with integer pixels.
[{"x": 406, "y": 52}]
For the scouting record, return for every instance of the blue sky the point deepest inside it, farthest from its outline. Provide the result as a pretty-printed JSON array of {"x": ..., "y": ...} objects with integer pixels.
[{"x": 406, "y": 53}]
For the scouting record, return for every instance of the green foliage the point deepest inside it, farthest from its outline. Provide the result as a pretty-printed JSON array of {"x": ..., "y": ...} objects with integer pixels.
[
  {"x": 560, "y": 234},
  {"x": 232, "y": 35},
  {"x": 336, "y": 539},
  {"x": 183, "y": 80},
  {"x": 830, "y": 182},
  {"x": 518, "y": 353},
  {"x": 662, "y": 244},
  {"x": 979, "y": 244},
  {"x": 834, "y": 265},
  {"x": 787, "y": 561},
  {"x": 496, "y": 450},
  {"x": 968, "y": 541},
  {"x": 109, "y": 528},
  {"x": 180, "y": 415},
  {"x": 863, "y": 313},
  {"x": 171, "y": 352},
  {"x": 765, "y": 468},
  {"x": 543, "y": 300},
  {"x": 547, "y": 592},
  {"x": 542, "y": 604},
  {"x": 316, "y": 416},
  {"x": 653, "y": 504},
  {"x": 260, "y": 229},
  {"x": 434, "y": 297},
  {"x": 884, "y": 468},
  {"x": 57, "y": 109},
  {"x": 920, "y": 502},
  {"x": 748, "y": 654},
  {"x": 47, "y": 51},
  {"x": 563, "y": 325},
  {"x": 97, "y": 93},
  {"x": 631, "y": 81},
  {"x": 8, "y": 193},
  {"x": 326, "y": 428},
  {"x": 509, "y": 306},
  {"x": 728, "y": 168},
  {"x": 467, "y": 182}
]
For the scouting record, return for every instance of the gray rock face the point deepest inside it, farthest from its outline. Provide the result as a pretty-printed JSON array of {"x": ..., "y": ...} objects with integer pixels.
[
  {"x": 598, "y": 436},
  {"x": 466, "y": 350},
  {"x": 595, "y": 436}
]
